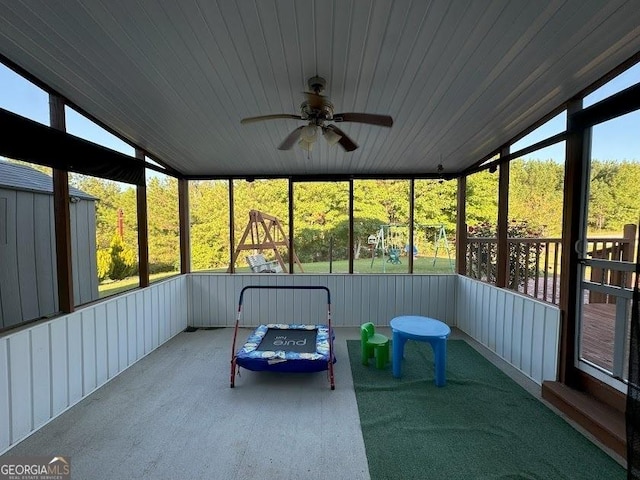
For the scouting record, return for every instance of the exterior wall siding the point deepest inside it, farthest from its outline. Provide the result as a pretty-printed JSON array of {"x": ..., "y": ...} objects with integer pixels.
[
  {"x": 28, "y": 281},
  {"x": 83, "y": 250},
  {"x": 523, "y": 331},
  {"x": 47, "y": 368}
]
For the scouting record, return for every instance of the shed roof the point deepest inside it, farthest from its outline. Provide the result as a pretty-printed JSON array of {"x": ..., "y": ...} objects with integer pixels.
[{"x": 22, "y": 177}]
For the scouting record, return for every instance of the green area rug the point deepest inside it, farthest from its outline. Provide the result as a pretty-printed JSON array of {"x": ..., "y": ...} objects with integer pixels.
[{"x": 480, "y": 425}]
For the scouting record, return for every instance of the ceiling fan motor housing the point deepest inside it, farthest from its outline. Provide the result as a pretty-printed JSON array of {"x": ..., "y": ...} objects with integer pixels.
[
  {"x": 317, "y": 113},
  {"x": 317, "y": 84}
]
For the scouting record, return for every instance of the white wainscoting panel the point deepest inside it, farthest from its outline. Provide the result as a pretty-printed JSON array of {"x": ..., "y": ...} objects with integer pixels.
[
  {"x": 523, "y": 331},
  {"x": 355, "y": 299},
  {"x": 49, "y": 367}
]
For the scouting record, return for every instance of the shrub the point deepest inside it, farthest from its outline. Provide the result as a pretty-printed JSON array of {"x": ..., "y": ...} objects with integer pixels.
[
  {"x": 482, "y": 261},
  {"x": 160, "y": 267},
  {"x": 123, "y": 260},
  {"x": 104, "y": 263}
]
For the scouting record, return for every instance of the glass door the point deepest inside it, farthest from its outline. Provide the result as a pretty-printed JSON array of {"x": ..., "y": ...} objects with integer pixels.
[{"x": 607, "y": 255}]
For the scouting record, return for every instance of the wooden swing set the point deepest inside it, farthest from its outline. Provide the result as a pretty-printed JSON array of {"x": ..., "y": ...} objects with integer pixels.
[{"x": 266, "y": 234}]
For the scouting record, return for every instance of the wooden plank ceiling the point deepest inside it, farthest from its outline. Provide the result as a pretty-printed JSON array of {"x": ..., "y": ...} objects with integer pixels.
[{"x": 459, "y": 78}]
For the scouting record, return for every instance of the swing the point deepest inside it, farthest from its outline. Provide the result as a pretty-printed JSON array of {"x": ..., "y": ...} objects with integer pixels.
[
  {"x": 394, "y": 256},
  {"x": 395, "y": 241},
  {"x": 389, "y": 242}
]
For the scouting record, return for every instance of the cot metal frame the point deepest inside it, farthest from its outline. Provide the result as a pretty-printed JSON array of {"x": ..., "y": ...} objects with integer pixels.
[{"x": 234, "y": 355}]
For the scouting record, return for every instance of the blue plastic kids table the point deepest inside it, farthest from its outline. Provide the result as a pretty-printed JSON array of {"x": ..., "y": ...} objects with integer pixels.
[{"x": 421, "y": 329}]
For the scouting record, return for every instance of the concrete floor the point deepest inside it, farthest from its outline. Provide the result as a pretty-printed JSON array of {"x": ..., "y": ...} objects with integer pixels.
[{"x": 172, "y": 415}]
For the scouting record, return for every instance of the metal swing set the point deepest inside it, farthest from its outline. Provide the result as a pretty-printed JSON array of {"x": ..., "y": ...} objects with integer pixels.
[{"x": 388, "y": 240}]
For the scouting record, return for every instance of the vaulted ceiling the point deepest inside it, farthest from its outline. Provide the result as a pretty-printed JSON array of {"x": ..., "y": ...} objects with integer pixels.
[{"x": 460, "y": 78}]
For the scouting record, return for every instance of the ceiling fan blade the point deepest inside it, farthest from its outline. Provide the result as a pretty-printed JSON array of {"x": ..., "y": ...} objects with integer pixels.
[
  {"x": 345, "y": 142},
  {"x": 269, "y": 117},
  {"x": 370, "y": 118},
  {"x": 291, "y": 139}
]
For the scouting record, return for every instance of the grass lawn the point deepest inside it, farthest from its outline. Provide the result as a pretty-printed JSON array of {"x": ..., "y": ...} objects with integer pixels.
[
  {"x": 119, "y": 286},
  {"x": 362, "y": 265}
]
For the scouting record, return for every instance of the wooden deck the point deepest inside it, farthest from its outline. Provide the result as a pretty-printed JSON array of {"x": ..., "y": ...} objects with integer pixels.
[
  {"x": 598, "y": 322},
  {"x": 597, "y": 334}
]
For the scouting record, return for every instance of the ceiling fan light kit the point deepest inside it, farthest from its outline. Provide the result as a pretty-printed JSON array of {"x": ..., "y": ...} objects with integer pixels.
[
  {"x": 306, "y": 145},
  {"x": 330, "y": 136},
  {"x": 309, "y": 133},
  {"x": 317, "y": 110}
]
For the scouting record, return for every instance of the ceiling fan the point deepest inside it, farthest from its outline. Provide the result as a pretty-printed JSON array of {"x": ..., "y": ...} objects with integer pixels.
[{"x": 317, "y": 110}]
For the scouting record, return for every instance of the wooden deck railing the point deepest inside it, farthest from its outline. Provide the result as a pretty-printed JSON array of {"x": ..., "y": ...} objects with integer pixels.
[{"x": 534, "y": 263}]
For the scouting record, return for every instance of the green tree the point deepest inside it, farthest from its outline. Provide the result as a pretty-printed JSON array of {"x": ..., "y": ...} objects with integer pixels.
[
  {"x": 163, "y": 224},
  {"x": 536, "y": 190},
  {"x": 319, "y": 208},
  {"x": 601, "y": 194},
  {"x": 482, "y": 198},
  {"x": 267, "y": 196},
  {"x": 107, "y": 194},
  {"x": 435, "y": 204},
  {"x": 209, "y": 216},
  {"x": 377, "y": 203},
  {"x": 625, "y": 187}
]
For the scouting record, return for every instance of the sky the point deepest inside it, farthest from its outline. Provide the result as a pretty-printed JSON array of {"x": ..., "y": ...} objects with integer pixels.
[{"x": 618, "y": 139}]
